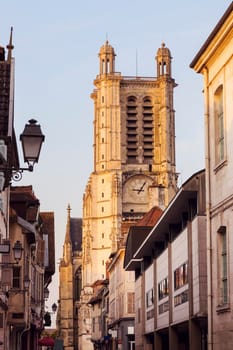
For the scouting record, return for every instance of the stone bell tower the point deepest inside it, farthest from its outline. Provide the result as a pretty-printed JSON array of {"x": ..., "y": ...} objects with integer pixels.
[{"x": 134, "y": 161}]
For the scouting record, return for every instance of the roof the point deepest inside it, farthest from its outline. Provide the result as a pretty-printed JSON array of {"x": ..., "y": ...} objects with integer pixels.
[
  {"x": 99, "y": 288},
  {"x": 73, "y": 231},
  {"x": 139, "y": 232},
  {"x": 76, "y": 233},
  {"x": 107, "y": 48},
  {"x": 151, "y": 217},
  {"x": 24, "y": 202},
  {"x": 163, "y": 51},
  {"x": 212, "y": 35}
]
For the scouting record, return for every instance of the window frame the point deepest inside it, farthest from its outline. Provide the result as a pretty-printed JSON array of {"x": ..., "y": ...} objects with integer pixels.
[
  {"x": 16, "y": 277},
  {"x": 163, "y": 290},
  {"x": 219, "y": 120},
  {"x": 150, "y": 298},
  {"x": 223, "y": 265},
  {"x": 180, "y": 276}
]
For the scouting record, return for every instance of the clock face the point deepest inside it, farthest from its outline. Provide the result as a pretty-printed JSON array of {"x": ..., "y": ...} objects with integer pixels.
[{"x": 136, "y": 189}]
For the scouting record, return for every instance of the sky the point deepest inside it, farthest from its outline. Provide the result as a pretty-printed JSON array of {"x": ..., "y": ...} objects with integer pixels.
[{"x": 56, "y": 46}]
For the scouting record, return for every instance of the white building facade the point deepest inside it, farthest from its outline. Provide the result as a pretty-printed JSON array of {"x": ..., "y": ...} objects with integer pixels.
[
  {"x": 171, "y": 275},
  {"x": 215, "y": 61}
]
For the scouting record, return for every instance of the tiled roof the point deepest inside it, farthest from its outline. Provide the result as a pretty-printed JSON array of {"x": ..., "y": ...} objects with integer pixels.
[
  {"x": 150, "y": 218},
  {"x": 140, "y": 231}
]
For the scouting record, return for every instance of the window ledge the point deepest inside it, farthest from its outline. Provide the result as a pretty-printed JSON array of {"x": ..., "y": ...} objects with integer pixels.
[
  {"x": 220, "y": 165},
  {"x": 223, "y": 308}
]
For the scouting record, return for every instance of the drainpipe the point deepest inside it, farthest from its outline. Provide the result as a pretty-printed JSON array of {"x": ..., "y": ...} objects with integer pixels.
[{"x": 208, "y": 208}]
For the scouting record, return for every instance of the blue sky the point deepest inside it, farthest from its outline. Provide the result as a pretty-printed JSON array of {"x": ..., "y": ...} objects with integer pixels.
[{"x": 56, "y": 55}]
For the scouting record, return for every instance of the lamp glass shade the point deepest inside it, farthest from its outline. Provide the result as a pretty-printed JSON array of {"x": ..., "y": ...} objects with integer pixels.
[
  {"x": 18, "y": 250},
  {"x": 26, "y": 282},
  {"x": 32, "y": 139},
  {"x": 54, "y": 307}
]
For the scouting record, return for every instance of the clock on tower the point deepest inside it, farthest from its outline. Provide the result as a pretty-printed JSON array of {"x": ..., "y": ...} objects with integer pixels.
[{"x": 136, "y": 193}]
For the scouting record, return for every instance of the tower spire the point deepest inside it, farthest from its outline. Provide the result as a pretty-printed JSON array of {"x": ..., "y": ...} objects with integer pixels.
[
  {"x": 107, "y": 59},
  {"x": 67, "y": 238},
  {"x": 163, "y": 59},
  {"x": 10, "y": 47},
  {"x": 67, "y": 248}
]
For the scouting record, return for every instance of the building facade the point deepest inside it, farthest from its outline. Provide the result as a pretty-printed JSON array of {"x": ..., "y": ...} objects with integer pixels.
[
  {"x": 23, "y": 230},
  {"x": 215, "y": 61},
  {"x": 24, "y": 282},
  {"x": 100, "y": 311},
  {"x": 6, "y": 134},
  {"x": 121, "y": 324},
  {"x": 134, "y": 163},
  {"x": 171, "y": 274}
]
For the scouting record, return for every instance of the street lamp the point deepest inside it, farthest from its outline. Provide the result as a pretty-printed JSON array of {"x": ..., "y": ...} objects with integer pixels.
[
  {"x": 17, "y": 251},
  {"x": 54, "y": 307},
  {"x": 26, "y": 282},
  {"x": 31, "y": 139}
]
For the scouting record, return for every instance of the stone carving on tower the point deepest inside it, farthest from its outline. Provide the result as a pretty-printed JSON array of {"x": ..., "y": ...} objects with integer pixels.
[{"x": 134, "y": 160}]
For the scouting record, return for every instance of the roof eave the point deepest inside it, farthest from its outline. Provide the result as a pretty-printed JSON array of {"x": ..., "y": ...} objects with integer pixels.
[{"x": 198, "y": 63}]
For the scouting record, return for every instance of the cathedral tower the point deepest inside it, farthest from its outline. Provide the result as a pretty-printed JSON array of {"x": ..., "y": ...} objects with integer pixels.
[{"x": 134, "y": 157}]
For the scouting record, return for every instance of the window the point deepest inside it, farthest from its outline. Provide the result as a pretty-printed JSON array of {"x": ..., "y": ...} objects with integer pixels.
[
  {"x": 163, "y": 288},
  {"x": 148, "y": 142},
  {"x": 222, "y": 242},
  {"x": 150, "y": 314},
  {"x": 181, "y": 276},
  {"x": 130, "y": 298},
  {"x": 16, "y": 277},
  {"x": 219, "y": 124},
  {"x": 132, "y": 129},
  {"x": 181, "y": 298},
  {"x": 150, "y": 298},
  {"x": 163, "y": 307}
]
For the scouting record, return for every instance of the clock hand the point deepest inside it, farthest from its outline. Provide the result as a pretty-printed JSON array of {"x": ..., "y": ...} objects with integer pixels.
[
  {"x": 141, "y": 188},
  {"x": 138, "y": 190}
]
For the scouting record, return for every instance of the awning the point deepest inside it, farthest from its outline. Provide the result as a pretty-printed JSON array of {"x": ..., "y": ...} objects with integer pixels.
[{"x": 47, "y": 341}]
